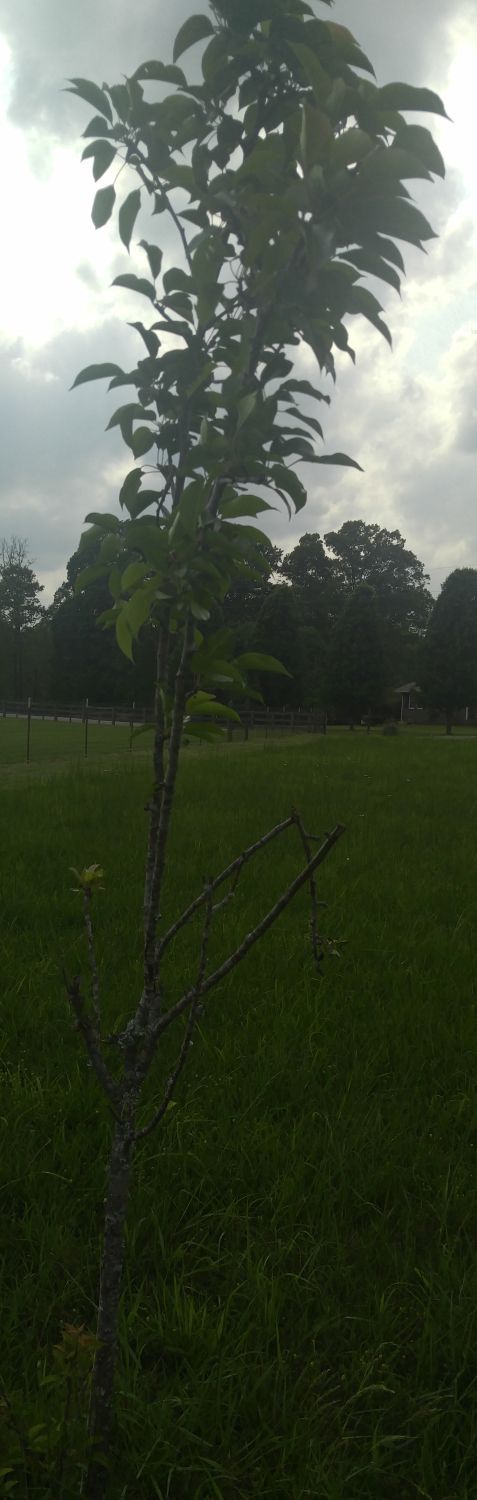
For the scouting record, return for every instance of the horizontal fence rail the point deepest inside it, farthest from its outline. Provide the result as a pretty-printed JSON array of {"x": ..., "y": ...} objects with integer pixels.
[{"x": 262, "y": 720}]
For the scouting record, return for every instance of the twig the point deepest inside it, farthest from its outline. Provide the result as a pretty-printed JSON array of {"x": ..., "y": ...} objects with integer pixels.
[
  {"x": 235, "y": 868},
  {"x": 315, "y": 940},
  {"x": 92, "y": 959},
  {"x": 91, "y": 1041},
  {"x": 252, "y": 937},
  {"x": 187, "y": 1042}
]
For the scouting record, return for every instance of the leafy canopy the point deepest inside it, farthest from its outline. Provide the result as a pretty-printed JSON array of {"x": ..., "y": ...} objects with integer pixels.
[{"x": 282, "y": 170}]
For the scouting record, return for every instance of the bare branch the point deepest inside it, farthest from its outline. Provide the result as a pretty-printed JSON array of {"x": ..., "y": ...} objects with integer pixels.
[
  {"x": 252, "y": 937},
  {"x": 91, "y": 1041},
  {"x": 315, "y": 940},
  {"x": 234, "y": 869},
  {"x": 194, "y": 1013},
  {"x": 88, "y": 922}
]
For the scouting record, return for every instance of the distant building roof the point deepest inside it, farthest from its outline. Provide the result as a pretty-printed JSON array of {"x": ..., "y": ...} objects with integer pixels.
[{"x": 408, "y": 687}]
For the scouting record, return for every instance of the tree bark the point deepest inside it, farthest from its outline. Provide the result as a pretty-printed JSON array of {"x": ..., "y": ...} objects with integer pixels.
[{"x": 102, "y": 1387}]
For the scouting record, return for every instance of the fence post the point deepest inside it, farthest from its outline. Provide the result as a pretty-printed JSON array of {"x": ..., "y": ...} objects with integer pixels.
[
  {"x": 131, "y": 727},
  {"x": 86, "y": 721},
  {"x": 4, "y": 710},
  {"x": 28, "y": 730},
  {"x": 113, "y": 717}
]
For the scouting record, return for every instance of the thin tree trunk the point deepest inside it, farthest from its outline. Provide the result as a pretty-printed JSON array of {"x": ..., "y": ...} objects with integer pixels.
[{"x": 102, "y": 1387}]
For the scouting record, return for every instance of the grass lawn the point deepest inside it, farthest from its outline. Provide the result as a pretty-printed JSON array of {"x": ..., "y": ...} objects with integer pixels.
[{"x": 300, "y": 1300}]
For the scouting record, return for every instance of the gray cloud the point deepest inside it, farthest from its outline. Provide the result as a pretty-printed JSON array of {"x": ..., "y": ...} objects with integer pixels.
[
  {"x": 101, "y": 39},
  {"x": 104, "y": 39}
]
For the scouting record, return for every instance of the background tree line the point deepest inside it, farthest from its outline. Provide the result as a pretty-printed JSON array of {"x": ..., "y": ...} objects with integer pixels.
[{"x": 349, "y": 614}]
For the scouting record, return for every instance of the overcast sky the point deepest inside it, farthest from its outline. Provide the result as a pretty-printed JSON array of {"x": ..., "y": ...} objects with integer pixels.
[{"x": 409, "y": 417}]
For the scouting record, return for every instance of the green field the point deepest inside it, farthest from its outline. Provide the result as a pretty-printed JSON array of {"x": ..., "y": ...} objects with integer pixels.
[
  {"x": 301, "y": 1293},
  {"x": 57, "y": 745}
]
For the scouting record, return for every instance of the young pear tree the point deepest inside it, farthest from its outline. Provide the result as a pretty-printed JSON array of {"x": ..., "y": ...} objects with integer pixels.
[{"x": 280, "y": 170}]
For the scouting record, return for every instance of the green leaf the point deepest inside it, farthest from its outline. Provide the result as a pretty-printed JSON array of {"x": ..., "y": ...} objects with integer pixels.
[
  {"x": 133, "y": 574},
  {"x": 127, "y": 216},
  {"x": 176, "y": 279},
  {"x": 218, "y": 673},
  {"x": 204, "y": 705},
  {"x": 97, "y": 126},
  {"x": 390, "y": 164},
  {"x": 103, "y": 204},
  {"x": 95, "y": 372},
  {"x": 286, "y": 479},
  {"x": 303, "y": 416},
  {"x": 150, "y": 338},
  {"x": 129, "y": 489},
  {"x": 135, "y": 284},
  {"x": 393, "y": 216},
  {"x": 104, "y": 520},
  {"x": 405, "y": 96},
  {"x": 143, "y": 500},
  {"x": 419, "y": 142},
  {"x": 257, "y": 661},
  {"x": 142, "y": 440},
  {"x": 365, "y": 260},
  {"x": 92, "y": 94},
  {"x": 150, "y": 540},
  {"x": 352, "y": 146},
  {"x": 195, "y": 29},
  {"x": 123, "y": 633},
  {"x": 198, "y": 610},
  {"x": 313, "y": 70},
  {"x": 341, "y": 459},
  {"x": 245, "y": 407},
  {"x": 207, "y": 732},
  {"x": 91, "y": 575},
  {"x": 244, "y": 505},
  {"x": 139, "y": 606},
  {"x": 154, "y": 255},
  {"x": 305, "y": 388},
  {"x": 157, "y": 72},
  {"x": 360, "y": 300},
  {"x": 103, "y": 153},
  {"x": 88, "y": 537},
  {"x": 126, "y": 415}
]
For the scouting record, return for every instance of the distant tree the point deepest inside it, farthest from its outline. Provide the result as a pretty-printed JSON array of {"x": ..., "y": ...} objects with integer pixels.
[
  {"x": 364, "y": 552},
  {"x": 85, "y": 660},
  {"x": 356, "y": 667},
  {"x": 449, "y": 657},
  {"x": 241, "y": 607},
  {"x": 312, "y": 575},
  {"x": 278, "y": 633},
  {"x": 20, "y": 608}
]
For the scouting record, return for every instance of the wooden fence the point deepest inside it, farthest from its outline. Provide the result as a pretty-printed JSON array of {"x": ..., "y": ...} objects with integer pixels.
[{"x": 263, "y": 721}]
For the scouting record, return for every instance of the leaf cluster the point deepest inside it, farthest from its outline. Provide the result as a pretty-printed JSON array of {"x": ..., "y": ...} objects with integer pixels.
[{"x": 283, "y": 173}]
